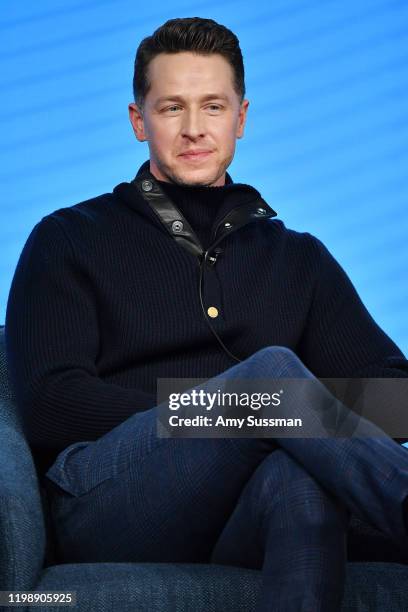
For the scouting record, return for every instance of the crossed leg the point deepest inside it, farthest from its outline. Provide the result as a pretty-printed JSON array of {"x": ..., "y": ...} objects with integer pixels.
[{"x": 131, "y": 496}]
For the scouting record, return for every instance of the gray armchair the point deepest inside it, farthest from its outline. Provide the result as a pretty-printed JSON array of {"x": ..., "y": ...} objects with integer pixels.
[{"x": 148, "y": 587}]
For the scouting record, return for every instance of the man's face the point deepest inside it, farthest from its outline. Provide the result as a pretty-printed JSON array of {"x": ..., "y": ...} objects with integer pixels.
[{"x": 191, "y": 118}]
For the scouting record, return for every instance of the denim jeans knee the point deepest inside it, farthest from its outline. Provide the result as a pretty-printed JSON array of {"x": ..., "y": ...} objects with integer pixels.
[{"x": 72, "y": 476}]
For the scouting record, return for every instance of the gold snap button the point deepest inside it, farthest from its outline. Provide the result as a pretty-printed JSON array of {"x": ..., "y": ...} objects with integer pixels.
[{"x": 212, "y": 312}]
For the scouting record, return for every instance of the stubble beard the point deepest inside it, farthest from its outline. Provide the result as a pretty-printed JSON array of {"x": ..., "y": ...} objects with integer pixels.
[{"x": 173, "y": 177}]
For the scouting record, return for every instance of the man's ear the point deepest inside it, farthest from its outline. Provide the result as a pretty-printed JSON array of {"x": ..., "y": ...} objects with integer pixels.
[
  {"x": 242, "y": 118},
  {"x": 137, "y": 121}
]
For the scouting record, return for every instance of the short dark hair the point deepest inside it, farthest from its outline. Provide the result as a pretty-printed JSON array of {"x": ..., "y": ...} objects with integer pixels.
[{"x": 202, "y": 36}]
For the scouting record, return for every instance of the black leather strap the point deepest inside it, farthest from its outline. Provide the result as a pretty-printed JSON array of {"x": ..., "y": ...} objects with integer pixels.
[
  {"x": 256, "y": 210},
  {"x": 178, "y": 226}
]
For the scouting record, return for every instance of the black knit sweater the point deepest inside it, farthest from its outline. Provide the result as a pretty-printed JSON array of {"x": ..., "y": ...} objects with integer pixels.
[{"x": 104, "y": 302}]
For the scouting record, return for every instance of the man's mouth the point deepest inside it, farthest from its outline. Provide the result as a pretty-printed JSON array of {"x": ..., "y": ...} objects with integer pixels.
[{"x": 195, "y": 155}]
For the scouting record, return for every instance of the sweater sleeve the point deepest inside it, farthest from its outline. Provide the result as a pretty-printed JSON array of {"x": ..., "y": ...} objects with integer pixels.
[
  {"x": 342, "y": 340},
  {"x": 52, "y": 340}
]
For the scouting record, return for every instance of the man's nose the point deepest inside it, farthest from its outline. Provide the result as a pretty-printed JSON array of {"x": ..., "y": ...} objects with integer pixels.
[{"x": 193, "y": 124}]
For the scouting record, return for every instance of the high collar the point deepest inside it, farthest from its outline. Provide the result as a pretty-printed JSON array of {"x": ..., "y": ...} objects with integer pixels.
[
  {"x": 199, "y": 204},
  {"x": 241, "y": 205}
]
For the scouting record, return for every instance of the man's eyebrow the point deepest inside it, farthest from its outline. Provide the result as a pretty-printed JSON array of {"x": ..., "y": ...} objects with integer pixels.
[{"x": 211, "y": 96}]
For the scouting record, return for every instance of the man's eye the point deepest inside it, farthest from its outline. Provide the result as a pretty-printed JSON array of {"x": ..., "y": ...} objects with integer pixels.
[
  {"x": 214, "y": 107},
  {"x": 172, "y": 108}
]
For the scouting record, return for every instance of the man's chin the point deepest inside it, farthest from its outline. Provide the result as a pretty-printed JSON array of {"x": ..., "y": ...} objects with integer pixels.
[
  {"x": 188, "y": 177},
  {"x": 195, "y": 178}
]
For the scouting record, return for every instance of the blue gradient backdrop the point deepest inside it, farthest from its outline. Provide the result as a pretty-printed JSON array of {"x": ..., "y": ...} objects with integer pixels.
[{"x": 326, "y": 140}]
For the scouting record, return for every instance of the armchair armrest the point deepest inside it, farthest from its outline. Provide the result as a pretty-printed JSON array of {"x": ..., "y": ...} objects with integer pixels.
[{"x": 22, "y": 530}]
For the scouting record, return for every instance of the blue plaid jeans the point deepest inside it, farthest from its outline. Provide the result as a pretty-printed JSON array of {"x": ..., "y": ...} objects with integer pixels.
[{"x": 280, "y": 505}]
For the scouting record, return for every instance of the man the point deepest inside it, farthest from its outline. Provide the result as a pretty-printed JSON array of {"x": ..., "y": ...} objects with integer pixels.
[{"x": 183, "y": 273}]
